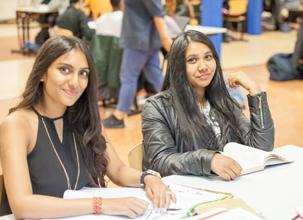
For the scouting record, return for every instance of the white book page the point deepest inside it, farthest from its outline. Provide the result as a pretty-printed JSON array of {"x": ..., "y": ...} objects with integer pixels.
[
  {"x": 274, "y": 159},
  {"x": 186, "y": 198},
  {"x": 252, "y": 159}
]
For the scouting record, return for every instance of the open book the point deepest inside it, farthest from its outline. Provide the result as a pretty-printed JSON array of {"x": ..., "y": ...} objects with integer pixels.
[
  {"x": 187, "y": 198},
  {"x": 252, "y": 159}
]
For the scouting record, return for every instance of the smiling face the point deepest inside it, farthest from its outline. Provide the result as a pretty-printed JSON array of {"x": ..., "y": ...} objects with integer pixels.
[
  {"x": 66, "y": 79},
  {"x": 200, "y": 66}
]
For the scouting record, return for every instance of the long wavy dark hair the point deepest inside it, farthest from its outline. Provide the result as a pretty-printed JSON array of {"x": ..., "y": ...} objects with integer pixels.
[
  {"x": 191, "y": 121},
  {"x": 83, "y": 116}
]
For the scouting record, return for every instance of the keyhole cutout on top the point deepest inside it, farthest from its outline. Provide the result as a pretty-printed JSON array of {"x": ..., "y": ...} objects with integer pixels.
[{"x": 59, "y": 129}]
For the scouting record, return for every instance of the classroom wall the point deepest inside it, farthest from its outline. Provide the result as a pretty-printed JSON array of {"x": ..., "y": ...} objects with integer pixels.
[{"x": 7, "y": 9}]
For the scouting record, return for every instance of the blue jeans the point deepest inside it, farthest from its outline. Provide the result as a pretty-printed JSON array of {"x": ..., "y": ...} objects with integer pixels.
[{"x": 133, "y": 62}]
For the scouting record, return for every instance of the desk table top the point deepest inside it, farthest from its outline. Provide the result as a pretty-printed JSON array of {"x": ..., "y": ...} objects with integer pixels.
[
  {"x": 206, "y": 29},
  {"x": 40, "y": 9},
  {"x": 275, "y": 192}
]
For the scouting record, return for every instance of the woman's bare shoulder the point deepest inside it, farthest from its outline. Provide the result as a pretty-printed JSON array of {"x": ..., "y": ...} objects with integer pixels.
[
  {"x": 19, "y": 118},
  {"x": 21, "y": 122}
]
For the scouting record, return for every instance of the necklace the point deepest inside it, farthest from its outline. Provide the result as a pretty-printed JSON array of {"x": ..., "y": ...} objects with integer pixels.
[{"x": 60, "y": 161}]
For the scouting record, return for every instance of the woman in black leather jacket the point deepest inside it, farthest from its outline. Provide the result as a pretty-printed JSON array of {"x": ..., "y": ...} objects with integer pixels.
[{"x": 185, "y": 126}]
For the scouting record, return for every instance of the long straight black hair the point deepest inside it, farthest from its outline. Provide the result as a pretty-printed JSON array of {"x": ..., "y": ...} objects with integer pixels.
[
  {"x": 191, "y": 121},
  {"x": 83, "y": 116}
]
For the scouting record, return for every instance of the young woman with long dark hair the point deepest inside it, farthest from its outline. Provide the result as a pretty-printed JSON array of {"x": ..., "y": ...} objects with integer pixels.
[
  {"x": 52, "y": 141},
  {"x": 185, "y": 126}
]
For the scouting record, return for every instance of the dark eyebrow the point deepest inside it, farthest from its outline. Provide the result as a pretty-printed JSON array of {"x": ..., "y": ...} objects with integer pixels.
[
  {"x": 70, "y": 66},
  {"x": 209, "y": 52},
  {"x": 65, "y": 64},
  {"x": 195, "y": 55},
  {"x": 85, "y": 68},
  {"x": 191, "y": 56}
]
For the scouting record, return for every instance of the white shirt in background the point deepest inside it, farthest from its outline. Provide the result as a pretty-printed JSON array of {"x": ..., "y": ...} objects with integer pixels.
[{"x": 110, "y": 24}]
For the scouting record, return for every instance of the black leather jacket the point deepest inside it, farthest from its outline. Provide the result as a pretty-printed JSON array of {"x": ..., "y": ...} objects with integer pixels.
[{"x": 165, "y": 150}]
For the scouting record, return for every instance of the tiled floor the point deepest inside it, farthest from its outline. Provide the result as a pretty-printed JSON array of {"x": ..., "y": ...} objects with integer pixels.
[
  {"x": 257, "y": 49},
  {"x": 285, "y": 98}
]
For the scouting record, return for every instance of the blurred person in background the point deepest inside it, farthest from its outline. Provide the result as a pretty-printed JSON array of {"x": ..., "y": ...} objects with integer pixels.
[
  {"x": 74, "y": 19},
  {"x": 143, "y": 34}
]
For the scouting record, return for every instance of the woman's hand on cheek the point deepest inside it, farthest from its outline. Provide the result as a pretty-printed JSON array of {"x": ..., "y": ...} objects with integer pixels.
[
  {"x": 160, "y": 194},
  {"x": 241, "y": 79}
]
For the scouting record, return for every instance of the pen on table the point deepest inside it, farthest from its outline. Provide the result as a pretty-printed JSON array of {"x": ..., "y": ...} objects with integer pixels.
[
  {"x": 163, "y": 210},
  {"x": 173, "y": 209}
]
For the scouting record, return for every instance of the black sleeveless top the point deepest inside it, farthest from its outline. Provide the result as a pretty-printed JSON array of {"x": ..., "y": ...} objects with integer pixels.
[{"x": 46, "y": 173}]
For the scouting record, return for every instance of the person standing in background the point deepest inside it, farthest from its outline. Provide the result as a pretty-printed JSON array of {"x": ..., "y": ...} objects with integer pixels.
[{"x": 143, "y": 34}]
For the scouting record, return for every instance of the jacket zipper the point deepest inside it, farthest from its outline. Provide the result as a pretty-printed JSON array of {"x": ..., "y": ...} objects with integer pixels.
[{"x": 261, "y": 111}]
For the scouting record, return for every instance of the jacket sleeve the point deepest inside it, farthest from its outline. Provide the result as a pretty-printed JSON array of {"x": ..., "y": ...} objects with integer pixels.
[
  {"x": 160, "y": 150},
  {"x": 259, "y": 132}
]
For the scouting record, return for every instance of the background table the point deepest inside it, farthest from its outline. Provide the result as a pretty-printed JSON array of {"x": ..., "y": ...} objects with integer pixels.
[{"x": 24, "y": 17}]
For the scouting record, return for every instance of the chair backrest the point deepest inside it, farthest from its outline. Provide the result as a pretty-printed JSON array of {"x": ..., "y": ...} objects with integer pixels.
[
  {"x": 62, "y": 32},
  {"x": 237, "y": 7},
  {"x": 135, "y": 157}
]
